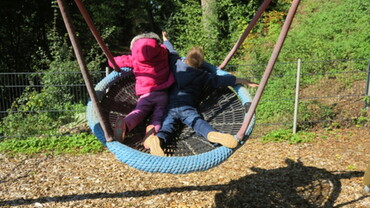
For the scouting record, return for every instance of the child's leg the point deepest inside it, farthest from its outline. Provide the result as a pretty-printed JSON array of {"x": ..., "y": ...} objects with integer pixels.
[
  {"x": 202, "y": 127},
  {"x": 142, "y": 109},
  {"x": 126, "y": 124},
  {"x": 191, "y": 118},
  {"x": 168, "y": 126},
  {"x": 155, "y": 142},
  {"x": 160, "y": 100}
]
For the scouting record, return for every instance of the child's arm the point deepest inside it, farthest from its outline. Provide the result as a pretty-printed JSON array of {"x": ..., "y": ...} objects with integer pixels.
[
  {"x": 229, "y": 80},
  {"x": 246, "y": 82},
  {"x": 164, "y": 36},
  {"x": 122, "y": 61},
  {"x": 173, "y": 56},
  {"x": 168, "y": 44},
  {"x": 225, "y": 79}
]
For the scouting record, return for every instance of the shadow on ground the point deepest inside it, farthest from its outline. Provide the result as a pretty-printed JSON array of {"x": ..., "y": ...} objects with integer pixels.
[{"x": 295, "y": 185}]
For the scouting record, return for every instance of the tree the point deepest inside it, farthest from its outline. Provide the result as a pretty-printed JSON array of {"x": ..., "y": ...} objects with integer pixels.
[
  {"x": 23, "y": 31},
  {"x": 209, "y": 14}
]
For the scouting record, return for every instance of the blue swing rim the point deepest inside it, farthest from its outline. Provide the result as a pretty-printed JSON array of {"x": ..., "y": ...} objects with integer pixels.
[{"x": 157, "y": 164}]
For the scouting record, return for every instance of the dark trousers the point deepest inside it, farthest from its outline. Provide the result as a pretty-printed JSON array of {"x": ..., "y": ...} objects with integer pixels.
[{"x": 189, "y": 116}]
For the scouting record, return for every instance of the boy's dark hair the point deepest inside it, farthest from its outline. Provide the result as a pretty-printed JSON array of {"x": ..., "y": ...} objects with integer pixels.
[{"x": 195, "y": 57}]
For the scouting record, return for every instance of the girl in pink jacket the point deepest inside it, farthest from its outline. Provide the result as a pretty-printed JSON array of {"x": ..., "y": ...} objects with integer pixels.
[{"x": 149, "y": 62}]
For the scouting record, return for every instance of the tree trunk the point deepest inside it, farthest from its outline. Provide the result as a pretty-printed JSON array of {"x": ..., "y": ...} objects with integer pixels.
[{"x": 209, "y": 14}]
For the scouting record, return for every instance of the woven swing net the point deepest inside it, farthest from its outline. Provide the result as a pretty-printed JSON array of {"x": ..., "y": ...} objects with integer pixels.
[{"x": 220, "y": 107}]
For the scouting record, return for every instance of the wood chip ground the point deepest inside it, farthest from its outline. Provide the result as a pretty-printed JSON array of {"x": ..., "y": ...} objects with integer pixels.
[{"x": 325, "y": 173}]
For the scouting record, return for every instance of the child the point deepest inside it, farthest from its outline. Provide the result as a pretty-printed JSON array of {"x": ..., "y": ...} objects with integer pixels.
[
  {"x": 184, "y": 97},
  {"x": 149, "y": 61}
]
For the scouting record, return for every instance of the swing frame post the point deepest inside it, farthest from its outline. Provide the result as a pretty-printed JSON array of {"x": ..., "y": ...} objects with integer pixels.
[
  {"x": 95, "y": 32},
  {"x": 246, "y": 33},
  {"x": 367, "y": 91},
  {"x": 83, "y": 67},
  {"x": 270, "y": 66}
]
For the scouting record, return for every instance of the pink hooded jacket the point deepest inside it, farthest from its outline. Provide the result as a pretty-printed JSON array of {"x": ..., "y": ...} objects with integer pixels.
[{"x": 149, "y": 61}]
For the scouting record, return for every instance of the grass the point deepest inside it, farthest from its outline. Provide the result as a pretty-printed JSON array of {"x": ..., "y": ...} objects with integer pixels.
[
  {"x": 85, "y": 143},
  {"x": 72, "y": 144},
  {"x": 283, "y": 135}
]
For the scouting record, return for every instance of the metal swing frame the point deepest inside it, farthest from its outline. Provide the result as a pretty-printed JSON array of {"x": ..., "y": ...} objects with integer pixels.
[{"x": 92, "y": 93}]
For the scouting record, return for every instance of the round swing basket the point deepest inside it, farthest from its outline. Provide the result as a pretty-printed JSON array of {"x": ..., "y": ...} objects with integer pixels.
[{"x": 223, "y": 108}]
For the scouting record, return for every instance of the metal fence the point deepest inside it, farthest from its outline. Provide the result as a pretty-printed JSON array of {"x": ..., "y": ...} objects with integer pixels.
[
  {"x": 13, "y": 85},
  {"x": 343, "y": 91}
]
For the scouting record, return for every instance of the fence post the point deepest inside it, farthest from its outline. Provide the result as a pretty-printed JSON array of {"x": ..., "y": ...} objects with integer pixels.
[
  {"x": 296, "y": 96},
  {"x": 106, "y": 71},
  {"x": 367, "y": 92}
]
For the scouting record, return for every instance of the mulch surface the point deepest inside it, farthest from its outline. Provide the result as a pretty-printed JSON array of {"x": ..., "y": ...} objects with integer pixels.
[{"x": 327, "y": 172}]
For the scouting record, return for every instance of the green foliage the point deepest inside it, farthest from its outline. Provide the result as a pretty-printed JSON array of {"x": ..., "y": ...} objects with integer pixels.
[
  {"x": 74, "y": 144},
  {"x": 42, "y": 111},
  {"x": 285, "y": 135},
  {"x": 363, "y": 119},
  {"x": 259, "y": 44},
  {"x": 215, "y": 33},
  {"x": 36, "y": 113},
  {"x": 277, "y": 100},
  {"x": 22, "y": 124},
  {"x": 367, "y": 100},
  {"x": 63, "y": 65},
  {"x": 22, "y": 32},
  {"x": 321, "y": 30},
  {"x": 330, "y": 31},
  {"x": 312, "y": 111},
  {"x": 185, "y": 28},
  {"x": 351, "y": 167}
]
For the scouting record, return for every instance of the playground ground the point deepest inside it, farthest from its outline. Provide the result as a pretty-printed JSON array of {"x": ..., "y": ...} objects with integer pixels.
[{"x": 325, "y": 173}]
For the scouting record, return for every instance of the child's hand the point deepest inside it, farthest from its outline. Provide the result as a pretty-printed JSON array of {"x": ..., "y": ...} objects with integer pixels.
[
  {"x": 252, "y": 84},
  {"x": 164, "y": 36}
]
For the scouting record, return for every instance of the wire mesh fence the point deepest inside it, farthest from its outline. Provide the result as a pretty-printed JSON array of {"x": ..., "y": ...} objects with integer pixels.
[
  {"x": 14, "y": 85},
  {"x": 324, "y": 93},
  {"x": 328, "y": 92}
]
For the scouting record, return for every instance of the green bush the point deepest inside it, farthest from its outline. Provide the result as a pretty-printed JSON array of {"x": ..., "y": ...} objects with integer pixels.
[
  {"x": 187, "y": 28},
  {"x": 34, "y": 114},
  {"x": 43, "y": 111}
]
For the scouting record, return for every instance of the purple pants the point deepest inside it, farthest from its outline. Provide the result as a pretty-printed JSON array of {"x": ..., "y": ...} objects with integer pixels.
[{"x": 155, "y": 102}]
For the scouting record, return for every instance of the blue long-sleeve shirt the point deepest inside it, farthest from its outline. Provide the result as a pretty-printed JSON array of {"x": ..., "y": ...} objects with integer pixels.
[{"x": 190, "y": 82}]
